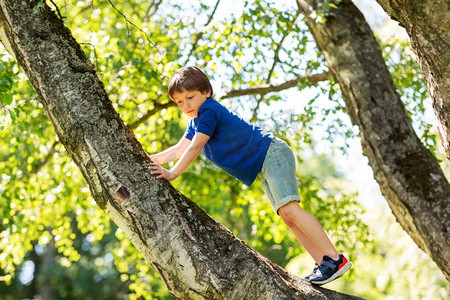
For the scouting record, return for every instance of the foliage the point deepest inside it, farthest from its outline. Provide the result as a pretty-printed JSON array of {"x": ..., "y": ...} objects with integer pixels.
[
  {"x": 8, "y": 75},
  {"x": 44, "y": 198}
]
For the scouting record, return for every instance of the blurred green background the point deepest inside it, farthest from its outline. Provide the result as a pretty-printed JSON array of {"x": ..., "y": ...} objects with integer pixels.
[{"x": 55, "y": 243}]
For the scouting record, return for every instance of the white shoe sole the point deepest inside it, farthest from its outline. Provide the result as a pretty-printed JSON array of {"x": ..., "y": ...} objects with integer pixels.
[{"x": 336, "y": 275}]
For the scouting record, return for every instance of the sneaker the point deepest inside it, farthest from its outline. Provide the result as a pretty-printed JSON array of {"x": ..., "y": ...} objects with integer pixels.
[
  {"x": 314, "y": 270},
  {"x": 329, "y": 270}
]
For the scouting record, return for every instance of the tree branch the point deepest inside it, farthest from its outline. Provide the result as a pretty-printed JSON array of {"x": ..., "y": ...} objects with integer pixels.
[
  {"x": 199, "y": 35},
  {"x": 57, "y": 10},
  {"x": 38, "y": 166},
  {"x": 158, "y": 107},
  {"x": 269, "y": 88},
  {"x": 152, "y": 10},
  {"x": 276, "y": 59},
  {"x": 427, "y": 23}
]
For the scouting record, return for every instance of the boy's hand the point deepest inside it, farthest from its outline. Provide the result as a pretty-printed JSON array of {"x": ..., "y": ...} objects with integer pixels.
[{"x": 161, "y": 172}]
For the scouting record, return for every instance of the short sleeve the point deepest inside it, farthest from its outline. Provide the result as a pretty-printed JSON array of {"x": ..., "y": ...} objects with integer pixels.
[
  {"x": 207, "y": 122},
  {"x": 190, "y": 131}
]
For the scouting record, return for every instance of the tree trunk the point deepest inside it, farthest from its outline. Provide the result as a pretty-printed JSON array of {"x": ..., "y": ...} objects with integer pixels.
[
  {"x": 195, "y": 256},
  {"x": 409, "y": 176},
  {"x": 427, "y": 23},
  {"x": 46, "y": 288},
  {"x": 33, "y": 285}
]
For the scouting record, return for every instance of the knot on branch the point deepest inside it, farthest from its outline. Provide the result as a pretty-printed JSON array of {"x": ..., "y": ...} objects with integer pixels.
[{"x": 122, "y": 195}]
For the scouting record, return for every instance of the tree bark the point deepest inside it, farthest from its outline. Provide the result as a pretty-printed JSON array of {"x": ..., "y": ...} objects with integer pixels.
[
  {"x": 409, "y": 176},
  {"x": 195, "y": 256},
  {"x": 427, "y": 23}
]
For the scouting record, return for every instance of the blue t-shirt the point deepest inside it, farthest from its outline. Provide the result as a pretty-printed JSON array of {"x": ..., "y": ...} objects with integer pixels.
[{"x": 237, "y": 147}]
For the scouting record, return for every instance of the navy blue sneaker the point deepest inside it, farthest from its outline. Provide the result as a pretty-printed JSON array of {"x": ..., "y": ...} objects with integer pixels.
[{"x": 329, "y": 270}]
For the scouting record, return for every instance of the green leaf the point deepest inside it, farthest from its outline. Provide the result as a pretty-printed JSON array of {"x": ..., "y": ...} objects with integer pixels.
[
  {"x": 7, "y": 99},
  {"x": 12, "y": 115},
  {"x": 5, "y": 84}
]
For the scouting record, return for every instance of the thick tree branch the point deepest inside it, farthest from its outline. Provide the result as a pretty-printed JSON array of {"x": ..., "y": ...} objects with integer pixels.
[
  {"x": 427, "y": 23},
  {"x": 409, "y": 176}
]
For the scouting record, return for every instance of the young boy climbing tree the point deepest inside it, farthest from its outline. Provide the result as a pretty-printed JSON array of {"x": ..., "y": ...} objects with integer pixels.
[{"x": 244, "y": 151}]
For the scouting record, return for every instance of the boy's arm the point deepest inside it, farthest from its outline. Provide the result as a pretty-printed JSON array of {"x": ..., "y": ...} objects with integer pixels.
[
  {"x": 190, "y": 153},
  {"x": 171, "y": 153}
]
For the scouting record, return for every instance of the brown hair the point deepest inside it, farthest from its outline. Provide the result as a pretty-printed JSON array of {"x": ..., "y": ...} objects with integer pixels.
[{"x": 189, "y": 79}]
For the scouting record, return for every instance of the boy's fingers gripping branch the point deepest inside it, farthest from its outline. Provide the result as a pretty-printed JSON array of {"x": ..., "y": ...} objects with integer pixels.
[
  {"x": 160, "y": 171},
  {"x": 155, "y": 167}
]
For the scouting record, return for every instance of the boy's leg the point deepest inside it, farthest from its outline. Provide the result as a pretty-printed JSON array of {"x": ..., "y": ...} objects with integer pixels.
[
  {"x": 280, "y": 185},
  {"x": 310, "y": 247},
  {"x": 308, "y": 229},
  {"x": 332, "y": 264}
]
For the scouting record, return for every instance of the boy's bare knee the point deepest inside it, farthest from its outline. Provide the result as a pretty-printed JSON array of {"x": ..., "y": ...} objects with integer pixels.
[
  {"x": 288, "y": 211},
  {"x": 287, "y": 221}
]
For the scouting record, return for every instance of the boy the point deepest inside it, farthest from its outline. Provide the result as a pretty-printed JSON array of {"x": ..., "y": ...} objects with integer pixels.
[{"x": 245, "y": 152}]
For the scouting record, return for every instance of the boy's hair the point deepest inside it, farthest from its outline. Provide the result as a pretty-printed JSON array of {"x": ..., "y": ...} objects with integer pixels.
[{"x": 189, "y": 79}]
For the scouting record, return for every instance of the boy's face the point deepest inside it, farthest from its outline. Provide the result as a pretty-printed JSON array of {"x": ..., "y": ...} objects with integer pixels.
[{"x": 190, "y": 101}]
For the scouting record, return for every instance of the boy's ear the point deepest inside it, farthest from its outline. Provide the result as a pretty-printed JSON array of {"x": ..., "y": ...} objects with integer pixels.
[{"x": 207, "y": 93}]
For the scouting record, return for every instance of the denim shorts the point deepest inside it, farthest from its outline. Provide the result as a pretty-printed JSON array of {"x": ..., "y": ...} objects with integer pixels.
[{"x": 277, "y": 175}]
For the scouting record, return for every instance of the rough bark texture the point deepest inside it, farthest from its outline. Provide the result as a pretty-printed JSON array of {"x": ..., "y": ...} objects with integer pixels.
[
  {"x": 196, "y": 257},
  {"x": 427, "y": 23},
  {"x": 409, "y": 176}
]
